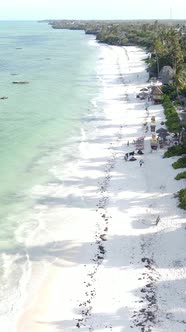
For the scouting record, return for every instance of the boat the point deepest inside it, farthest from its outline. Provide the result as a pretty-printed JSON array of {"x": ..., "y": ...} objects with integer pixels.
[{"x": 20, "y": 82}]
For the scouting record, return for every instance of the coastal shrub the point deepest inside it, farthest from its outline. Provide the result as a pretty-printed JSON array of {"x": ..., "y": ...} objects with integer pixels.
[
  {"x": 180, "y": 176},
  {"x": 182, "y": 198},
  {"x": 123, "y": 41},
  {"x": 180, "y": 163},
  {"x": 183, "y": 92},
  {"x": 172, "y": 117},
  {"x": 173, "y": 122},
  {"x": 111, "y": 39},
  {"x": 169, "y": 90},
  {"x": 177, "y": 103},
  {"x": 173, "y": 125},
  {"x": 170, "y": 111},
  {"x": 176, "y": 150}
]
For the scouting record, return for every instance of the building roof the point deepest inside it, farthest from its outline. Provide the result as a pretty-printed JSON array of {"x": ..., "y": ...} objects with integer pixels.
[{"x": 156, "y": 90}]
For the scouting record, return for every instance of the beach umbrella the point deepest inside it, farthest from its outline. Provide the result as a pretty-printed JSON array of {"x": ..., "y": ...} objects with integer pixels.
[
  {"x": 162, "y": 131},
  {"x": 163, "y": 135}
]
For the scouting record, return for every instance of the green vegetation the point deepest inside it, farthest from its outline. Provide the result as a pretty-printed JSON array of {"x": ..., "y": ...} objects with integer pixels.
[
  {"x": 177, "y": 150},
  {"x": 169, "y": 91},
  {"x": 180, "y": 163},
  {"x": 176, "y": 103},
  {"x": 180, "y": 176},
  {"x": 164, "y": 40},
  {"x": 182, "y": 198},
  {"x": 173, "y": 122}
]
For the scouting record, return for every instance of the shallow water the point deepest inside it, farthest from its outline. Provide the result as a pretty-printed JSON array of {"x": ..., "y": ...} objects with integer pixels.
[{"x": 43, "y": 125}]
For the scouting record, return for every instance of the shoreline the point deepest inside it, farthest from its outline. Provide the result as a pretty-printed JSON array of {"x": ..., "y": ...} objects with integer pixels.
[{"x": 112, "y": 236}]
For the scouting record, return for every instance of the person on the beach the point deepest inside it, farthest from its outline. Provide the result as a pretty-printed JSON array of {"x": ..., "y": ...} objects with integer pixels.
[
  {"x": 128, "y": 143},
  {"x": 141, "y": 162}
]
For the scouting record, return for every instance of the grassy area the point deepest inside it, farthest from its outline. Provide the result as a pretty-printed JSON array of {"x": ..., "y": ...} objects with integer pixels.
[
  {"x": 180, "y": 176},
  {"x": 173, "y": 122},
  {"x": 180, "y": 163},
  {"x": 176, "y": 150},
  {"x": 182, "y": 199}
]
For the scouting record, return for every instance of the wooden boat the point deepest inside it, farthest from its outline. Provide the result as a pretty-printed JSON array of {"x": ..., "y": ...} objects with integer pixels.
[{"x": 20, "y": 82}]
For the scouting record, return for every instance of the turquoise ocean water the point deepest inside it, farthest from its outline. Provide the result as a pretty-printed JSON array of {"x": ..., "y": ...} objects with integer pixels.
[{"x": 39, "y": 122}]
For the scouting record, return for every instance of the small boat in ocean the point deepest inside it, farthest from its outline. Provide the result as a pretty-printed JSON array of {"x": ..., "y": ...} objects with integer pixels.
[
  {"x": 4, "y": 97},
  {"x": 20, "y": 82}
]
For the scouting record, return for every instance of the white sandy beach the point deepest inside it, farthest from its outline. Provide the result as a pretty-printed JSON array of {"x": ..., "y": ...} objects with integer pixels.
[{"x": 110, "y": 267}]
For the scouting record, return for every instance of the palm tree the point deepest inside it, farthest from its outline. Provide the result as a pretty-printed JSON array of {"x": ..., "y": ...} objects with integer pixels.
[
  {"x": 179, "y": 80},
  {"x": 174, "y": 49}
]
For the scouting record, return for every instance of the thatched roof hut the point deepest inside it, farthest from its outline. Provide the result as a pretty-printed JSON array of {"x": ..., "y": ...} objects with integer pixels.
[{"x": 157, "y": 94}]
